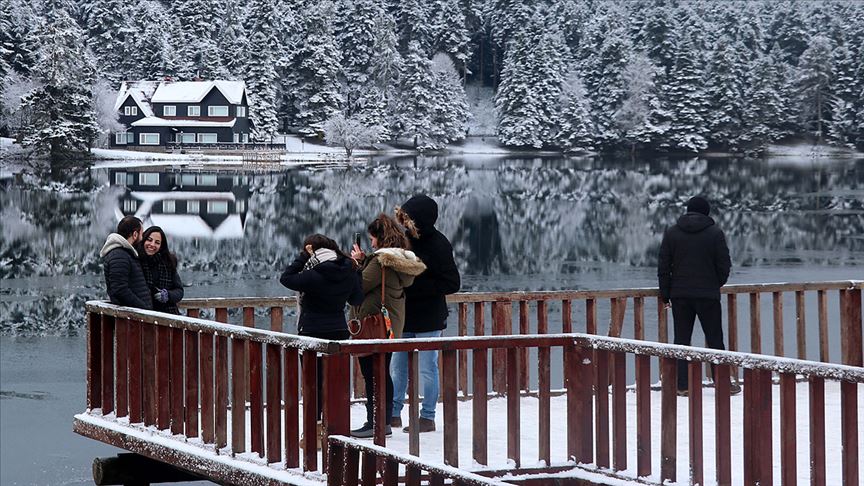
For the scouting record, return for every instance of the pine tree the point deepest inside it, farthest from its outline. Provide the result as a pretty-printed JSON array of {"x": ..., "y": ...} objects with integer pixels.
[
  {"x": 656, "y": 35},
  {"x": 357, "y": 36},
  {"x": 199, "y": 27},
  {"x": 317, "y": 90},
  {"x": 450, "y": 105},
  {"x": 104, "y": 20},
  {"x": 815, "y": 68},
  {"x": 151, "y": 53},
  {"x": 412, "y": 23},
  {"x": 260, "y": 70},
  {"x": 18, "y": 23},
  {"x": 448, "y": 30},
  {"x": 846, "y": 88},
  {"x": 576, "y": 129},
  {"x": 416, "y": 98},
  {"x": 685, "y": 99},
  {"x": 640, "y": 119},
  {"x": 767, "y": 100},
  {"x": 528, "y": 97},
  {"x": 377, "y": 105},
  {"x": 234, "y": 36},
  {"x": 788, "y": 30},
  {"x": 608, "y": 49},
  {"x": 726, "y": 89},
  {"x": 63, "y": 120}
]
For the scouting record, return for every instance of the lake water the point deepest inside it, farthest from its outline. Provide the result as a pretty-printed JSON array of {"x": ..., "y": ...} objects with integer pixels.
[{"x": 515, "y": 224}]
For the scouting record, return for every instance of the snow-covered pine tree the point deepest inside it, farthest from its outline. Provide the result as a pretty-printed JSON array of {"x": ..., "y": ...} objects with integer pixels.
[
  {"x": 317, "y": 94},
  {"x": 260, "y": 69},
  {"x": 357, "y": 35},
  {"x": 450, "y": 108},
  {"x": 813, "y": 83},
  {"x": 767, "y": 100},
  {"x": 788, "y": 30},
  {"x": 528, "y": 98},
  {"x": 412, "y": 24},
  {"x": 726, "y": 87},
  {"x": 104, "y": 20},
  {"x": 18, "y": 22},
  {"x": 509, "y": 17},
  {"x": 448, "y": 31},
  {"x": 62, "y": 118},
  {"x": 151, "y": 53},
  {"x": 640, "y": 119},
  {"x": 657, "y": 32},
  {"x": 576, "y": 130},
  {"x": 199, "y": 26},
  {"x": 416, "y": 100},
  {"x": 685, "y": 99},
  {"x": 234, "y": 36},
  {"x": 846, "y": 99},
  {"x": 377, "y": 105}
]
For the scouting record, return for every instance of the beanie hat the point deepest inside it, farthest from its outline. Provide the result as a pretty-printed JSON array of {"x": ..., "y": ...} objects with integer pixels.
[{"x": 698, "y": 204}]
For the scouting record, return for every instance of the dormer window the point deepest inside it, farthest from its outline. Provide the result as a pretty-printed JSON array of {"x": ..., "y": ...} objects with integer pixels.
[
  {"x": 130, "y": 110},
  {"x": 241, "y": 111},
  {"x": 169, "y": 110},
  {"x": 217, "y": 110},
  {"x": 193, "y": 110}
]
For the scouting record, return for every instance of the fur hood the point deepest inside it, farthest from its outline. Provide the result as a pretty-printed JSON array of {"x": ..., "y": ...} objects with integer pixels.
[
  {"x": 402, "y": 261},
  {"x": 116, "y": 241}
]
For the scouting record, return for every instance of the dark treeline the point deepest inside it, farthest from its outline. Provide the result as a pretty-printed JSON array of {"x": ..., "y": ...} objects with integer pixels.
[{"x": 658, "y": 75}]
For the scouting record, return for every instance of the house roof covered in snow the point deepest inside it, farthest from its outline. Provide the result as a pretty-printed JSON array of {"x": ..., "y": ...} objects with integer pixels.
[
  {"x": 155, "y": 121},
  {"x": 140, "y": 91},
  {"x": 195, "y": 91}
]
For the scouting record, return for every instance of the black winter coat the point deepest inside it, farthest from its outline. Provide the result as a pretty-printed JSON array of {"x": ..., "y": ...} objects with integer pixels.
[
  {"x": 124, "y": 278},
  {"x": 159, "y": 275},
  {"x": 326, "y": 288},
  {"x": 694, "y": 259},
  {"x": 425, "y": 303}
]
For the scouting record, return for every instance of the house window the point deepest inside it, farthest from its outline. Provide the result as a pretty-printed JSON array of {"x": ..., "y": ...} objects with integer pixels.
[
  {"x": 188, "y": 180},
  {"x": 193, "y": 207},
  {"x": 148, "y": 179},
  {"x": 187, "y": 138},
  {"x": 130, "y": 137},
  {"x": 169, "y": 206},
  {"x": 207, "y": 180},
  {"x": 240, "y": 206},
  {"x": 130, "y": 205},
  {"x": 217, "y": 111},
  {"x": 236, "y": 138},
  {"x": 193, "y": 110},
  {"x": 241, "y": 111},
  {"x": 120, "y": 138},
  {"x": 149, "y": 139},
  {"x": 130, "y": 110},
  {"x": 245, "y": 138},
  {"x": 217, "y": 207},
  {"x": 169, "y": 110},
  {"x": 120, "y": 178},
  {"x": 207, "y": 138}
]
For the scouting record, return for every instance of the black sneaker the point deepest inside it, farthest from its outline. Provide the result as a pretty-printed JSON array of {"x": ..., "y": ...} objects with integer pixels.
[
  {"x": 734, "y": 388},
  {"x": 366, "y": 431}
]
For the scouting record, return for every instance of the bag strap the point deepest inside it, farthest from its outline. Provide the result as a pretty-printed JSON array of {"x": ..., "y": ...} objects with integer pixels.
[{"x": 383, "y": 279}]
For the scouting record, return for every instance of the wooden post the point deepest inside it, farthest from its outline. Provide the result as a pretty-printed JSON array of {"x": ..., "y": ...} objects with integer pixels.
[
  {"x": 238, "y": 395},
  {"x": 274, "y": 402},
  {"x": 451, "y": 417},
  {"x": 619, "y": 412},
  {"x": 136, "y": 409},
  {"x": 788, "y": 431},
  {"x": 849, "y": 427},
  {"x": 413, "y": 403},
  {"x": 177, "y": 391},
  {"x": 205, "y": 361},
  {"x": 256, "y": 397},
  {"x": 755, "y": 323},
  {"x": 276, "y": 319},
  {"x": 337, "y": 396},
  {"x": 800, "y": 325},
  {"x": 292, "y": 407},
  {"x": 163, "y": 380},
  {"x": 107, "y": 355},
  {"x": 478, "y": 404},
  {"x": 694, "y": 370},
  {"x": 524, "y": 328},
  {"x": 463, "y": 353},
  {"x": 190, "y": 338},
  {"x": 544, "y": 385},
  {"x": 220, "y": 404},
  {"x": 122, "y": 366},
  {"x": 379, "y": 407},
  {"x": 723, "y": 433},
  {"x": 502, "y": 325},
  {"x": 822, "y": 304},
  {"x": 777, "y": 300},
  {"x": 732, "y": 320},
  {"x": 850, "y": 327},
  {"x": 579, "y": 363},
  {"x": 591, "y": 316},
  {"x": 310, "y": 411},
  {"x": 643, "y": 415},
  {"x": 335, "y": 465},
  {"x": 514, "y": 366},
  {"x": 668, "y": 420},
  {"x": 817, "y": 430},
  {"x": 601, "y": 408}
]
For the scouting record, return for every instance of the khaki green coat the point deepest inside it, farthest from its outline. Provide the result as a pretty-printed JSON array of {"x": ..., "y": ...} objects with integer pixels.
[{"x": 401, "y": 267}]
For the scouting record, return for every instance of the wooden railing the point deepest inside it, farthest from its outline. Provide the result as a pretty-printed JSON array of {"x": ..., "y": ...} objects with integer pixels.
[
  {"x": 345, "y": 470},
  {"x": 174, "y": 373}
]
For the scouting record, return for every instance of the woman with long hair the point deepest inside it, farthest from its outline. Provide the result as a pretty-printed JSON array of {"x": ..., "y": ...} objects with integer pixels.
[
  {"x": 394, "y": 266},
  {"x": 160, "y": 270},
  {"x": 326, "y": 280}
]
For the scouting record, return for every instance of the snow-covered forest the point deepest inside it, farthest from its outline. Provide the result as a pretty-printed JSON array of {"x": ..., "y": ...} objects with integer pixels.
[{"x": 657, "y": 75}]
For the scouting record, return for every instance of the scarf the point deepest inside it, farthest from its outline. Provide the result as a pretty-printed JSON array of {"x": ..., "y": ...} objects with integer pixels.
[
  {"x": 321, "y": 255},
  {"x": 158, "y": 275}
]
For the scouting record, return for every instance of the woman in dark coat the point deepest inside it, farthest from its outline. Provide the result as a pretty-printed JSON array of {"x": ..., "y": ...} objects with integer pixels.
[
  {"x": 160, "y": 270},
  {"x": 326, "y": 280}
]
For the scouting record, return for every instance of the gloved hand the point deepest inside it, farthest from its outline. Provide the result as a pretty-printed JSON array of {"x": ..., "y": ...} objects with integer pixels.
[{"x": 161, "y": 295}]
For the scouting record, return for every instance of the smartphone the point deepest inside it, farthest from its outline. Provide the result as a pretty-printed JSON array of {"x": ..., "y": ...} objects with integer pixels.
[{"x": 357, "y": 239}]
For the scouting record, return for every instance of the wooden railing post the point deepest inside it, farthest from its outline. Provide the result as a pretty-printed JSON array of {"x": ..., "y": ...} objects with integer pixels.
[
  {"x": 163, "y": 377},
  {"x": 822, "y": 304},
  {"x": 817, "y": 431},
  {"x": 694, "y": 370},
  {"x": 451, "y": 417},
  {"x": 274, "y": 403},
  {"x": 292, "y": 407},
  {"x": 755, "y": 323},
  {"x": 601, "y": 408},
  {"x": 238, "y": 395},
  {"x": 723, "y": 423},
  {"x": 337, "y": 397},
  {"x": 643, "y": 415},
  {"x": 463, "y": 354},
  {"x": 479, "y": 359},
  {"x": 850, "y": 327},
  {"x": 619, "y": 412},
  {"x": 94, "y": 360},
  {"x": 310, "y": 410},
  {"x": 800, "y": 324},
  {"x": 176, "y": 390},
  {"x": 849, "y": 435},
  {"x": 514, "y": 367},
  {"x": 191, "y": 338},
  {"x": 668, "y": 420},
  {"x": 579, "y": 364},
  {"x": 122, "y": 366},
  {"x": 788, "y": 431},
  {"x": 544, "y": 387},
  {"x": 777, "y": 302},
  {"x": 414, "y": 403},
  {"x": 502, "y": 325},
  {"x": 107, "y": 355},
  {"x": 136, "y": 391}
]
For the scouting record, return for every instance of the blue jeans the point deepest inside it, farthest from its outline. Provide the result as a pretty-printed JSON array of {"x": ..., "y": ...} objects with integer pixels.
[{"x": 428, "y": 377}]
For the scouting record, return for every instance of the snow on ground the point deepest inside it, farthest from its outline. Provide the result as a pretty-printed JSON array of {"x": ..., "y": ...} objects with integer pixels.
[{"x": 431, "y": 444}]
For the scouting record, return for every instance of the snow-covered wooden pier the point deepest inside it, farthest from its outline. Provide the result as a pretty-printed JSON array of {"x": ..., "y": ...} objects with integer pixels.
[{"x": 519, "y": 405}]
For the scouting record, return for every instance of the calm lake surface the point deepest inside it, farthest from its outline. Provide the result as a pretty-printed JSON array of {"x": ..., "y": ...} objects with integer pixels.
[{"x": 515, "y": 224}]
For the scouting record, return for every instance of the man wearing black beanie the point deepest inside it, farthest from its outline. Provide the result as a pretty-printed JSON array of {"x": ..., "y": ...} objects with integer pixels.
[{"x": 694, "y": 263}]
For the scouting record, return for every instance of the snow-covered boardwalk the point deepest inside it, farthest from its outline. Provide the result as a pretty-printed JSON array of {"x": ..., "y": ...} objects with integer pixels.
[{"x": 170, "y": 381}]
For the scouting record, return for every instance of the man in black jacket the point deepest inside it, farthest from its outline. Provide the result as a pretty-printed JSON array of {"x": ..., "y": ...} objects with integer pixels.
[
  {"x": 694, "y": 263},
  {"x": 124, "y": 278},
  {"x": 425, "y": 304}
]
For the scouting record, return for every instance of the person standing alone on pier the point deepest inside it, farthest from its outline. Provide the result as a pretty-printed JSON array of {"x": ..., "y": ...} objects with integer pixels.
[
  {"x": 124, "y": 279},
  {"x": 694, "y": 263}
]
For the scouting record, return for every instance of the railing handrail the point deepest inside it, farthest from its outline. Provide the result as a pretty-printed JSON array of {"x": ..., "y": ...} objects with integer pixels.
[
  {"x": 448, "y": 471},
  {"x": 470, "y": 297},
  {"x": 662, "y": 350}
]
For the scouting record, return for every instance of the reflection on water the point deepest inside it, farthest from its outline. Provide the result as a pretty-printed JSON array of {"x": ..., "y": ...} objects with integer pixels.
[{"x": 515, "y": 223}]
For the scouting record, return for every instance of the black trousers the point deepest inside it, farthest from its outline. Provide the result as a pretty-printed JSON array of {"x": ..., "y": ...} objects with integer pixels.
[
  {"x": 684, "y": 313},
  {"x": 333, "y": 336},
  {"x": 367, "y": 370}
]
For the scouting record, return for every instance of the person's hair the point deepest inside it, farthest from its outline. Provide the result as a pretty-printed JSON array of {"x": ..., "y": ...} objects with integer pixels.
[
  {"x": 388, "y": 232},
  {"x": 129, "y": 225},
  {"x": 319, "y": 241},
  {"x": 163, "y": 252}
]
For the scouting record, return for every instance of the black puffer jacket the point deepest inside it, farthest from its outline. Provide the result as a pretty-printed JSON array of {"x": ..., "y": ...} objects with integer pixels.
[
  {"x": 694, "y": 259},
  {"x": 124, "y": 278},
  {"x": 326, "y": 288},
  {"x": 425, "y": 304}
]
